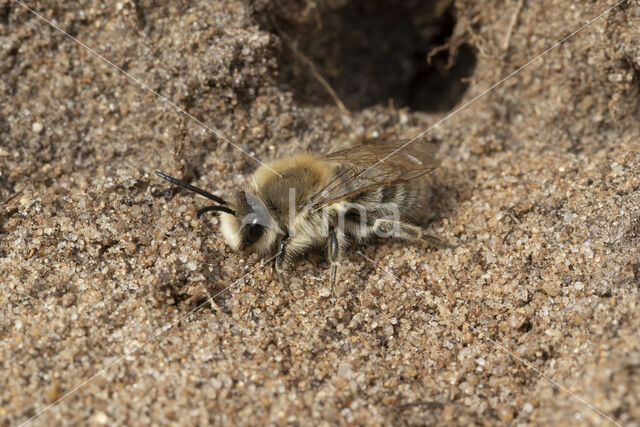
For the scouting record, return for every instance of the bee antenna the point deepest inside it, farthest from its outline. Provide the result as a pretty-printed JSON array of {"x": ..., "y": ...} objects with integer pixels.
[
  {"x": 200, "y": 191},
  {"x": 215, "y": 208}
]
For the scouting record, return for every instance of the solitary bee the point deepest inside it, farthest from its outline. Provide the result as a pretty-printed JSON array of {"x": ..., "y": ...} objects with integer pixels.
[{"x": 309, "y": 200}]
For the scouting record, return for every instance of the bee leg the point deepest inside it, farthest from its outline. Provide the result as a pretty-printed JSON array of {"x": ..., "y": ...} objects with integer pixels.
[
  {"x": 437, "y": 240},
  {"x": 281, "y": 259},
  {"x": 334, "y": 255},
  {"x": 405, "y": 231}
]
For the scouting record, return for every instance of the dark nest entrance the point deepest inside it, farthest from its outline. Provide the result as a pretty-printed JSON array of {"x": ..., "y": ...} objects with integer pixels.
[{"x": 373, "y": 52}]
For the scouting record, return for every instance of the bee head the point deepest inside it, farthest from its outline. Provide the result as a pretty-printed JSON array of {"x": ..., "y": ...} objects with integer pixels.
[
  {"x": 252, "y": 228},
  {"x": 246, "y": 223}
]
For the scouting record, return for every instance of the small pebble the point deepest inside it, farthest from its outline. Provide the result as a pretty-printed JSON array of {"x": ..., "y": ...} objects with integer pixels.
[
  {"x": 100, "y": 418},
  {"x": 505, "y": 413},
  {"x": 37, "y": 127}
]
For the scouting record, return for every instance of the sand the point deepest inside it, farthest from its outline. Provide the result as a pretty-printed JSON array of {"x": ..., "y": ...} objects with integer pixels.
[{"x": 533, "y": 319}]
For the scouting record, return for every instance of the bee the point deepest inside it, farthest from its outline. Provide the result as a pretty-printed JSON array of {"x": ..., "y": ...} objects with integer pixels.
[{"x": 328, "y": 200}]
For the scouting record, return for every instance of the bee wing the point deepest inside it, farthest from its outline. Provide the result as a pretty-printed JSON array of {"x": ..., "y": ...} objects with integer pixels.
[{"x": 375, "y": 164}]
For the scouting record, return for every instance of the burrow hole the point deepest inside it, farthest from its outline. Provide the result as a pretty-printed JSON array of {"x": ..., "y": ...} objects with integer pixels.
[{"x": 375, "y": 52}]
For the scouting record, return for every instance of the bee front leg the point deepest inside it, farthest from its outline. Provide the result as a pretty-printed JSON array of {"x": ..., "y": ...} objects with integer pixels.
[
  {"x": 334, "y": 254},
  {"x": 281, "y": 259}
]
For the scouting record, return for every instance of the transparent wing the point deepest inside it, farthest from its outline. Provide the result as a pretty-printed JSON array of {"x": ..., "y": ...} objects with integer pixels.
[{"x": 375, "y": 164}]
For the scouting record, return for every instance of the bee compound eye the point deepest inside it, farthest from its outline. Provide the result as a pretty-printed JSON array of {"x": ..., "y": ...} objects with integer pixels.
[{"x": 253, "y": 233}]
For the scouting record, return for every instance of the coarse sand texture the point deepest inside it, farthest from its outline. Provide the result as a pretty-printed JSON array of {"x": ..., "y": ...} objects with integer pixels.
[{"x": 532, "y": 319}]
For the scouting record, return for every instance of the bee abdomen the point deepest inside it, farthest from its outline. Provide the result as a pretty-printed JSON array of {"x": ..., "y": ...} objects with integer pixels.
[
  {"x": 383, "y": 201},
  {"x": 391, "y": 194},
  {"x": 402, "y": 195}
]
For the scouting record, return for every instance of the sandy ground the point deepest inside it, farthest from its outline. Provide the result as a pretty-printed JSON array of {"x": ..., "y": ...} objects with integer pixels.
[{"x": 532, "y": 319}]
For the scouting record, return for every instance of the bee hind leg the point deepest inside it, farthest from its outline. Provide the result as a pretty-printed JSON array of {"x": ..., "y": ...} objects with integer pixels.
[
  {"x": 404, "y": 231},
  {"x": 437, "y": 241}
]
